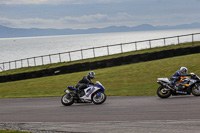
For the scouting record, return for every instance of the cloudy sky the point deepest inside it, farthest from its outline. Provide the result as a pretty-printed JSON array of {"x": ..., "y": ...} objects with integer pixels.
[{"x": 84, "y": 14}]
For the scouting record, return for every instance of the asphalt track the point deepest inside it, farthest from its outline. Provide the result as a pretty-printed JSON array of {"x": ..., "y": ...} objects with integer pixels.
[{"x": 134, "y": 114}]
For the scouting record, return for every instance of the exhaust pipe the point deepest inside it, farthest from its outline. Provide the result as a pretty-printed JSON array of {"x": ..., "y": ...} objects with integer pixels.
[{"x": 165, "y": 85}]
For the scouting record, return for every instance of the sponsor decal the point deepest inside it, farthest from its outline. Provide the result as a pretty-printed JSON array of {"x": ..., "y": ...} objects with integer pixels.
[{"x": 90, "y": 92}]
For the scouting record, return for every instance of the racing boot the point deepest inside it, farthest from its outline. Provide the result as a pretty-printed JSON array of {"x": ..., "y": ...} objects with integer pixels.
[
  {"x": 75, "y": 92},
  {"x": 176, "y": 87},
  {"x": 172, "y": 85},
  {"x": 179, "y": 87}
]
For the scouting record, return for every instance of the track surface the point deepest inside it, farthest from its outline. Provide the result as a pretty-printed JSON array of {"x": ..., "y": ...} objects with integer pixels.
[{"x": 117, "y": 114}]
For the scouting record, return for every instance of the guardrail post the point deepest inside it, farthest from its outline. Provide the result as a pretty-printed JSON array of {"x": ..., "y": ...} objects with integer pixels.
[
  {"x": 150, "y": 43},
  {"x": 192, "y": 38},
  {"x": 34, "y": 61},
  {"x": 28, "y": 62},
  {"x": 108, "y": 49},
  {"x": 59, "y": 57},
  {"x": 42, "y": 60},
  {"x": 82, "y": 54},
  {"x": 21, "y": 63},
  {"x": 135, "y": 46},
  {"x": 70, "y": 57},
  {"x": 3, "y": 67},
  {"x": 15, "y": 64},
  {"x": 121, "y": 48},
  {"x": 50, "y": 59},
  {"x": 9, "y": 66},
  {"x": 164, "y": 42},
  {"x": 94, "y": 52},
  {"x": 178, "y": 39}
]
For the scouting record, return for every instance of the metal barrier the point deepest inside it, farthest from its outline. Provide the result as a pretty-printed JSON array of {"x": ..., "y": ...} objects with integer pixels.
[{"x": 98, "y": 51}]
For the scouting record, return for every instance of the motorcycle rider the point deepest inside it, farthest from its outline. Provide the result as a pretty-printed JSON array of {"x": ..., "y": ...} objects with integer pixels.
[
  {"x": 177, "y": 75},
  {"x": 85, "y": 81}
]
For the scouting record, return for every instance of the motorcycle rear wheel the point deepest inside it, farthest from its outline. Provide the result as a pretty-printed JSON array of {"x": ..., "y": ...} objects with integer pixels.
[
  {"x": 163, "y": 93},
  {"x": 67, "y": 99},
  {"x": 96, "y": 99},
  {"x": 196, "y": 90}
]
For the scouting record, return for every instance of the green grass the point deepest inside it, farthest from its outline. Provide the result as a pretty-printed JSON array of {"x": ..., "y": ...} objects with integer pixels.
[
  {"x": 127, "y": 80},
  {"x": 28, "y": 69},
  {"x": 12, "y": 131}
]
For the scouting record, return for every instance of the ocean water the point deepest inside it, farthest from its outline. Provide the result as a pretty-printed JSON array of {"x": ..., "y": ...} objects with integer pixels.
[{"x": 26, "y": 47}]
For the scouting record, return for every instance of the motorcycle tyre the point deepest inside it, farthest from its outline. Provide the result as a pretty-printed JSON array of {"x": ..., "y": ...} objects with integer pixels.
[
  {"x": 163, "y": 96},
  {"x": 69, "y": 103},
  {"x": 104, "y": 99},
  {"x": 194, "y": 93}
]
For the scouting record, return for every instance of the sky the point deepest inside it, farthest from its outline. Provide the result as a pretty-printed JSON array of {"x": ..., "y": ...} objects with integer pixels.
[{"x": 84, "y": 14}]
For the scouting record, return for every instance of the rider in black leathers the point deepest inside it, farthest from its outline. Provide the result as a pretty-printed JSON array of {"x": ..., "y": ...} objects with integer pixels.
[{"x": 85, "y": 81}]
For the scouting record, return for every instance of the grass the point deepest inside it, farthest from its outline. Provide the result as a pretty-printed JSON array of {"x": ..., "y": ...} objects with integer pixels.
[
  {"x": 127, "y": 80},
  {"x": 28, "y": 69},
  {"x": 12, "y": 131}
]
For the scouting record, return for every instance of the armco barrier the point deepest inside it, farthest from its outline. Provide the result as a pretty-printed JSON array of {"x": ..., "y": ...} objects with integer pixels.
[
  {"x": 98, "y": 51},
  {"x": 101, "y": 64}
]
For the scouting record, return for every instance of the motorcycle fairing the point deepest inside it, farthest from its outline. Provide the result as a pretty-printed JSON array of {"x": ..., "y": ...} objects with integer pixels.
[
  {"x": 90, "y": 90},
  {"x": 164, "y": 79},
  {"x": 182, "y": 78},
  {"x": 101, "y": 88},
  {"x": 185, "y": 84}
]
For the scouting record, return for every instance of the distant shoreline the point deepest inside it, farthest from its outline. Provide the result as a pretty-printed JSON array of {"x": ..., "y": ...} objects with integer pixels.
[{"x": 35, "y": 32}]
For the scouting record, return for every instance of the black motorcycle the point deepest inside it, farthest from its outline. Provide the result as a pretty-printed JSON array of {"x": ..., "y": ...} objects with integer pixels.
[{"x": 184, "y": 86}]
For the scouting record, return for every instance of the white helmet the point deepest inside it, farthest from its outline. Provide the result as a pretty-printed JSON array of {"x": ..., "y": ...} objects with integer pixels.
[{"x": 183, "y": 70}]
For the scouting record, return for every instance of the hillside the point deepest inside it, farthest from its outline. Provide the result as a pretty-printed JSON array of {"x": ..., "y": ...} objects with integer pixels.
[
  {"x": 126, "y": 80},
  {"x": 7, "y": 32}
]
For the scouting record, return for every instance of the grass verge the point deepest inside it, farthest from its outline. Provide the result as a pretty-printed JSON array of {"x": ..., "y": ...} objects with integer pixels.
[
  {"x": 12, "y": 131},
  {"x": 127, "y": 80}
]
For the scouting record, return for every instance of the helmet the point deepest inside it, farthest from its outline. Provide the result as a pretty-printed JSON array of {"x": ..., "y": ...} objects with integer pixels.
[
  {"x": 91, "y": 75},
  {"x": 183, "y": 70}
]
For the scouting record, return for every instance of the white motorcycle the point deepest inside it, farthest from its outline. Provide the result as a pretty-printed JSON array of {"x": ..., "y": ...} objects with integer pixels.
[{"x": 93, "y": 93}]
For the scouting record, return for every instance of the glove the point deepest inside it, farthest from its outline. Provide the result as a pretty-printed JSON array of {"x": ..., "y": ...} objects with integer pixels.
[
  {"x": 192, "y": 74},
  {"x": 92, "y": 83}
]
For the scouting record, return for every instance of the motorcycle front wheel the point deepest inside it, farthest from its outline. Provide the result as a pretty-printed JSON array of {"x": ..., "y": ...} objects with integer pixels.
[
  {"x": 98, "y": 99},
  {"x": 67, "y": 99},
  {"x": 196, "y": 90},
  {"x": 163, "y": 93}
]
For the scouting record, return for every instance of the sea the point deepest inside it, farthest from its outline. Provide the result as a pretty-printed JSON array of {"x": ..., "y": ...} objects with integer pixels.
[{"x": 27, "y": 47}]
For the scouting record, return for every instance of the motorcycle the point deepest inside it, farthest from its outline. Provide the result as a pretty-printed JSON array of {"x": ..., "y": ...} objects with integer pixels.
[
  {"x": 92, "y": 94},
  {"x": 184, "y": 86}
]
